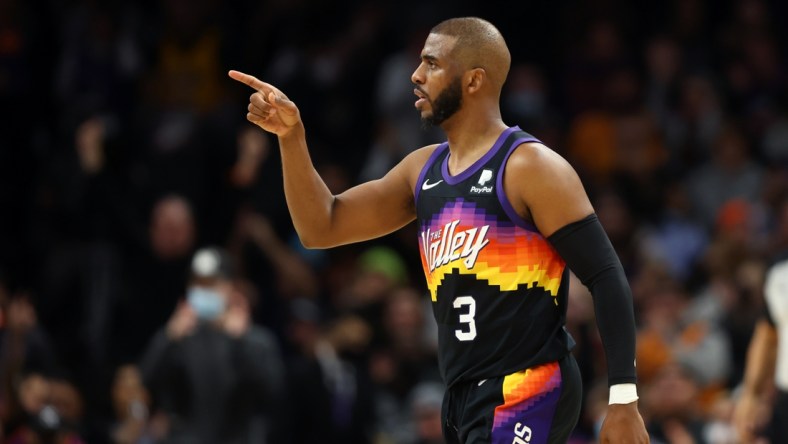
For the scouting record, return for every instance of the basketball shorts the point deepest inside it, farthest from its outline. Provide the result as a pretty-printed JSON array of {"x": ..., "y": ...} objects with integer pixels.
[{"x": 539, "y": 405}]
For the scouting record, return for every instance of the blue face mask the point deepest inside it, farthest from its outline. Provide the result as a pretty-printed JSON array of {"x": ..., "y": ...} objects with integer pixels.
[{"x": 207, "y": 303}]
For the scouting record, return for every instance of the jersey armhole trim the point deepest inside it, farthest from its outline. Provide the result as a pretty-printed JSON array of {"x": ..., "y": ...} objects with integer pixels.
[{"x": 503, "y": 199}]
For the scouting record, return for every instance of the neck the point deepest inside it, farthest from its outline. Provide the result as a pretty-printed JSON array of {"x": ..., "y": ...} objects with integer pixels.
[{"x": 471, "y": 135}]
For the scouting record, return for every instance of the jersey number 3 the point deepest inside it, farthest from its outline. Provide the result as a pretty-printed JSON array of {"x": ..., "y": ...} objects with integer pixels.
[{"x": 467, "y": 317}]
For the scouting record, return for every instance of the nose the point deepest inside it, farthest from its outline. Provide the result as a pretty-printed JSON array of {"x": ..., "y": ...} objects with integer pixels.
[{"x": 417, "y": 77}]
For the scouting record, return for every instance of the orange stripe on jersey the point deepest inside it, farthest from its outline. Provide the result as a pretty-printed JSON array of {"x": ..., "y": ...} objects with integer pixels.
[{"x": 463, "y": 238}]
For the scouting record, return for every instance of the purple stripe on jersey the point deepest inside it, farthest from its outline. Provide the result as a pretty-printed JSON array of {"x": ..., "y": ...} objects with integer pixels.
[
  {"x": 528, "y": 421},
  {"x": 454, "y": 180},
  {"x": 438, "y": 150},
  {"x": 503, "y": 199}
]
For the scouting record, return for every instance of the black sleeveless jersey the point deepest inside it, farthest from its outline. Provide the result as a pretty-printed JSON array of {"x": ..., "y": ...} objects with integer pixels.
[{"x": 498, "y": 288}]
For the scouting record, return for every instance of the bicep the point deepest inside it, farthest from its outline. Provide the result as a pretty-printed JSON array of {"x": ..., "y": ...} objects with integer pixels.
[
  {"x": 377, "y": 207},
  {"x": 373, "y": 209},
  {"x": 548, "y": 189}
]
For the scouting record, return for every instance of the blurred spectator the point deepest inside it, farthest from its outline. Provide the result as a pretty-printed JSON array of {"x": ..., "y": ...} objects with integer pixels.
[
  {"x": 675, "y": 239},
  {"x": 671, "y": 402},
  {"x": 526, "y": 96},
  {"x": 689, "y": 22},
  {"x": 695, "y": 123},
  {"x": 217, "y": 377},
  {"x": 599, "y": 53},
  {"x": 321, "y": 60},
  {"x": 278, "y": 271},
  {"x": 153, "y": 276},
  {"x": 52, "y": 410},
  {"x": 719, "y": 428},
  {"x": 172, "y": 229},
  {"x": 405, "y": 359},
  {"x": 24, "y": 350},
  {"x": 640, "y": 151},
  {"x": 673, "y": 332},
  {"x": 663, "y": 59},
  {"x": 743, "y": 312},
  {"x": 328, "y": 385},
  {"x": 730, "y": 173},
  {"x": 592, "y": 145},
  {"x": 426, "y": 400},
  {"x": 375, "y": 272},
  {"x": 99, "y": 61},
  {"x": 619, "y": 139},
  {"x": 131, "y": 401}
]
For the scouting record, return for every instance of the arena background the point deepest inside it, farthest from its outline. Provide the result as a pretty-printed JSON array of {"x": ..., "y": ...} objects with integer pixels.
[{"x": 124, "y": 148}]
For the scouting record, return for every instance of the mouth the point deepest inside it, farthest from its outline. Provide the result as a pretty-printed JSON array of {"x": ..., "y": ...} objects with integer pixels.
[{"x": 422, "y": 98}]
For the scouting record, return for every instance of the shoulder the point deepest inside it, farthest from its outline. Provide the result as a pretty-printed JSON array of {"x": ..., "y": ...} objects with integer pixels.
[
  {"x": 410, "y": 167},
  {"x": 535, "y": 179},
  {"x": 537, "y": 160},
  {"x": 419, "y": 157}
]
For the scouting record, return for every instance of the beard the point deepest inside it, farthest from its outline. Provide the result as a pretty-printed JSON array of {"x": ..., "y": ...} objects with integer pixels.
[{"x": 445, "y": 105}]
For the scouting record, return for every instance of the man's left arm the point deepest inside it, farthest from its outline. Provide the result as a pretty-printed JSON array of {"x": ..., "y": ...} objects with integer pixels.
[
  {"x": 554, "y": 199},
  {"x": 589, "y": 254}
]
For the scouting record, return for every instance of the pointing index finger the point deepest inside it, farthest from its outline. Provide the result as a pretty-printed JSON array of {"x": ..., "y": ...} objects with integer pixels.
[{"x": 252, "y": 81}]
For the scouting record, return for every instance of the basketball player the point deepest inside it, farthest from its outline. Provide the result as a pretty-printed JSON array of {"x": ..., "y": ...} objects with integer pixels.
[
  {"x": 501, "y": 216},
  {"x": 767, "y": 360}
]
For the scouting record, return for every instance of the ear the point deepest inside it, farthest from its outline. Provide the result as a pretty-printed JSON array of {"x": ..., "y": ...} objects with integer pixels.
[{"x": 474, "y": 79}]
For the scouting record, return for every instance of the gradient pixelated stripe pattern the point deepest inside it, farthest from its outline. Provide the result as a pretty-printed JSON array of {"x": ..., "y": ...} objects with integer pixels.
[
  {"x": 530, "y": 398},
  {"x": 514, "y": 256}
]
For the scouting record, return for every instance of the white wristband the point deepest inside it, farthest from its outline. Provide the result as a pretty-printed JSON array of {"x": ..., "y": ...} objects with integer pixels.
[{"x": 623, "y": 393}]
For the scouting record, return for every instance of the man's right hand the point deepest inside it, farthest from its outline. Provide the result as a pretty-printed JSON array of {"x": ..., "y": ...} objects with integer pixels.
[
  {"x": 269, "y": 108},
  {"x": 623, "y": 424}
]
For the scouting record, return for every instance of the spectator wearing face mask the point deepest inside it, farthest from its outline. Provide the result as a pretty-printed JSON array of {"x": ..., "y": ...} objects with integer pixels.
[
  {"x": 214, "y": 374},
  {"x": 52, "y": 411}
]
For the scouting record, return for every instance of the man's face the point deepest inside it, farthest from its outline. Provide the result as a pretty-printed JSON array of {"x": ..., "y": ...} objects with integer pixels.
[
  {"x": 445, "y": 105},
  {"x": 172, "y": 229},
  {"x": 438, "y": 85}
]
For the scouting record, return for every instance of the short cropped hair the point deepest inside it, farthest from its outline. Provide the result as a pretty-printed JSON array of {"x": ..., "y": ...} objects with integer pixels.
[{"x": 479, "y": 45}]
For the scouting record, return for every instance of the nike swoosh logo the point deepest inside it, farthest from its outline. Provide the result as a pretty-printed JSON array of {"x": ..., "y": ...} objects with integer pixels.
[
  {"x": 426, "y": 186},
  {"x": 482, "y": 382}
]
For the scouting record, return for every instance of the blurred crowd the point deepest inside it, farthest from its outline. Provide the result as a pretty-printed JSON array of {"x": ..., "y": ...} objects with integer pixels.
[{"x": 124, "y": 150}]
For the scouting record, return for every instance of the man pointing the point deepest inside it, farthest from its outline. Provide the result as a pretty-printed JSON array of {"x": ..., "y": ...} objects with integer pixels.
[{"x": 502, "y": 219}]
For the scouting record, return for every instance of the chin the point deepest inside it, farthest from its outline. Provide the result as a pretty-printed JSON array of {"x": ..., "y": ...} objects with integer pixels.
[{"x": 426, "y": 122}]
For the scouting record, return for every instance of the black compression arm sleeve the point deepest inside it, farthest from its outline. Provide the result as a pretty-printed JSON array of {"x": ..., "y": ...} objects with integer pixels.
[{"x": 585, "y": 247}]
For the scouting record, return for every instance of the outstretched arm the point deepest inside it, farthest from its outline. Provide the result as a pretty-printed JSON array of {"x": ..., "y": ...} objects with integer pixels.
[
  {"x": 554, "y": 199},
  {"x": 322, "y": 219}
]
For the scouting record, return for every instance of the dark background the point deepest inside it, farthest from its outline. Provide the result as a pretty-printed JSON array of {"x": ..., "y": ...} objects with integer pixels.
[{"x": 673, "y": 113}]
